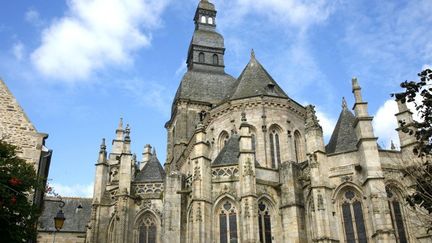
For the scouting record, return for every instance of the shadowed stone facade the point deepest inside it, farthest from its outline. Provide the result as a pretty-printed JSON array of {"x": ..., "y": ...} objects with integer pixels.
[
  {"x": 246, "y": 163},
  {"x": 17, "y": 129}
]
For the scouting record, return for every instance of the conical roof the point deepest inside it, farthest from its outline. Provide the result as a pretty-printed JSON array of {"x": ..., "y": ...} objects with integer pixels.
[
  {"x": 344, "y": 137},
  {"x": 230, "y": 152},
  {"x": 152, "y": 171},
  {"x": 256, "y": 81}
]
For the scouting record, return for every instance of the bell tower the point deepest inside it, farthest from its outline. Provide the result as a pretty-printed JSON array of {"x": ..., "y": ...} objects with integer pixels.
[{"x": 206, "y": 50}]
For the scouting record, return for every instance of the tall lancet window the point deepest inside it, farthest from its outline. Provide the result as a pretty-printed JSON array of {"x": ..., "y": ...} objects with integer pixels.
[
  {"x": 274, "y": 148},
  {"x": 264, "y": 223},
  {"x": 298, "y": 146},
  {"x": 396, "y": 216},
  {"x": 147, "y": 230},
  {"x": 228, "y": 223},
  {"x": 352, "y": 218}
]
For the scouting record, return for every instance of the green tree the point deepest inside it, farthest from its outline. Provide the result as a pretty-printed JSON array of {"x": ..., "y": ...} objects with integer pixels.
[
  {"x": 419, "y": 93},
  {"x": 18, "y": 179}
]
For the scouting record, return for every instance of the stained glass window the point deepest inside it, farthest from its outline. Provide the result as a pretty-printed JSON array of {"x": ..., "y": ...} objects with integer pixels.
[
  {"x": 264, "y": 223},
  {"x": 274, "y": 148},
  {"x": 352, "y": 218},
  {"x": 396, "y": 216},
  {"x": 228, "y": 223},
  {"x": 298, "y": 145},
  {"x": 147, "y": 230}
]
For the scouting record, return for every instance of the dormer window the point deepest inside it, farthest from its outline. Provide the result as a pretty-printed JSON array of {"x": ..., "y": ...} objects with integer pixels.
[
  {"x": 215, "y": 59},
  {"x": 210, "y": 20},
  {"x": 203, "y": 20},
  {"x": 201, "y": 57}
]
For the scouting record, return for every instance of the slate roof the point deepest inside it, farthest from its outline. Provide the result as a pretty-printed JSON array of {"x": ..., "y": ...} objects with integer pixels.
[
  {"x": 205, "y": 4},
  {"x": 256, "y": 81},
  {"x": 230, "y": 152},
  {"x": 344, "y": 137},
  {"x": 76, "y": 217},
  {"x": 208, "y": 38},
  {"x": 205, "y": 86},
  {"x": 152, "y": 171}
]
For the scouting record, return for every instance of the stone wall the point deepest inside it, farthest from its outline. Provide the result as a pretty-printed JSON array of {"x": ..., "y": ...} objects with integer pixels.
[
  {"x": 16, "y": 128},
  {"x": 61, "y": 237}
]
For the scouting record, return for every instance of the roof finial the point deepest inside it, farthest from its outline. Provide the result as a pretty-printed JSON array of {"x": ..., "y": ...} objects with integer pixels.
[
  {"x": 392, "y": 146},
  {"x": 121, "y": 123},
  {"x": 154, "y": 152},
  {"x": 127, "y": 133},
  {"x": 252, "y": 53},
  {"x": 344, "y": 104},
  {"x": 103, "y": 146}
]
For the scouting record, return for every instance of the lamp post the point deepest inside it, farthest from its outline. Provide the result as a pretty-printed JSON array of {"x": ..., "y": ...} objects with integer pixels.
[{"x": 59, "y": 219}]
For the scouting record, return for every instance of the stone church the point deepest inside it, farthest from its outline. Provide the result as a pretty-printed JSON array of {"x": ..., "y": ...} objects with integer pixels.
[{"x": 246, "y": 163}]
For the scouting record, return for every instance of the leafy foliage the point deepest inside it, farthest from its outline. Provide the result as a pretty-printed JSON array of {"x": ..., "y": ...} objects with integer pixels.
[
  {"x": 419, "y": 93},
  {"x": 18, "y": 179}
]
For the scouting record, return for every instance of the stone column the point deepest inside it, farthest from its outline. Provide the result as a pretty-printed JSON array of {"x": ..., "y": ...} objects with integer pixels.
[
  {"x": 124, "y": 191},
  {"x": 371, "y": 173},
  {"x": 248, "y": 197},
  {"x": 320, "y": 190},
  {"x": 101, "y": 179},
  {"x": 201, "y": 190},
  {"x": 292, "y": 204}
]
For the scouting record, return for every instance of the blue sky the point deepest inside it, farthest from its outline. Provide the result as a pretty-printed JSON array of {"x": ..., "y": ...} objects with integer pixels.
[{"x": 77, "y": 66}]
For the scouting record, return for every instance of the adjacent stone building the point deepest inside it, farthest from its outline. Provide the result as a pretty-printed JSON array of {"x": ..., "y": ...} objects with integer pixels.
[
  {"x": 17, "y": 129},
  {"x": 246, "y": 163},
  {"x": 77, "y": 213}
]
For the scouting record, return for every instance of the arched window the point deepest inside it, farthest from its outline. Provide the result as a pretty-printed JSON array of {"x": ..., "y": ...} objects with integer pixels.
[
  {"x": 215, "y": 59},
  {"x": 264, "y": 223},
  {"x": 210, "y": 20},
  {"x": 223, "y": 139},
  {"x": 147, "y": 229},
  {"x": 274, "y": 148},
  {"x": 228, "y": 223},
  {"x": 201, "y": 57},
  {"x": 203, "y": 19},
  {"x": 298, "y": 146},
  {"x": 352, "y": 218},
  {"x": 396, "y": 216},
  {"x": 111, "y": 230}
]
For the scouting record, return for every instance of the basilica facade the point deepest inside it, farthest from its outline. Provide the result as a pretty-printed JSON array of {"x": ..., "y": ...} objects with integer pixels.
[{"x": 246, "y": 163}]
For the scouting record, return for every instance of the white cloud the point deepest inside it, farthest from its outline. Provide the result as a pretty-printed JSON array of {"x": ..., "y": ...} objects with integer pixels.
[
  {"x": 392, "y": 36},
  {"x": 33, "y": 17},
  {"x": 149, "y": 94},
  {"x": 298, "y": 13},
  {"x": 327, "y": 123},
  {"x": 18, "y": 51},
  {"x": 77, "y": 190},
  {"x": 181, "y": 69},
  {"x": 385, "y": 124},
  {"x": 94, "y": 35}
]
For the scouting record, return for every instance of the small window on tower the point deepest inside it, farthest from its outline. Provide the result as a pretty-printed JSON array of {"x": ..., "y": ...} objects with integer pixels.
[
  {"x": 215, "y": 59},
  {"x": 201, "y": 58},
  {"x": 203, "y": 19},
  {"x": 210, "y": 20}
]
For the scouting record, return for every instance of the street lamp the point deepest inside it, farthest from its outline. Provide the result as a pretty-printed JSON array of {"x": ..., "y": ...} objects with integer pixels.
[{"x": 59, "y": 219}]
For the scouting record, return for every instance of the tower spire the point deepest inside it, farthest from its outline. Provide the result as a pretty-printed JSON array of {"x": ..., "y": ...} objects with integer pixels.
[{"x": 344, "y": 104}]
